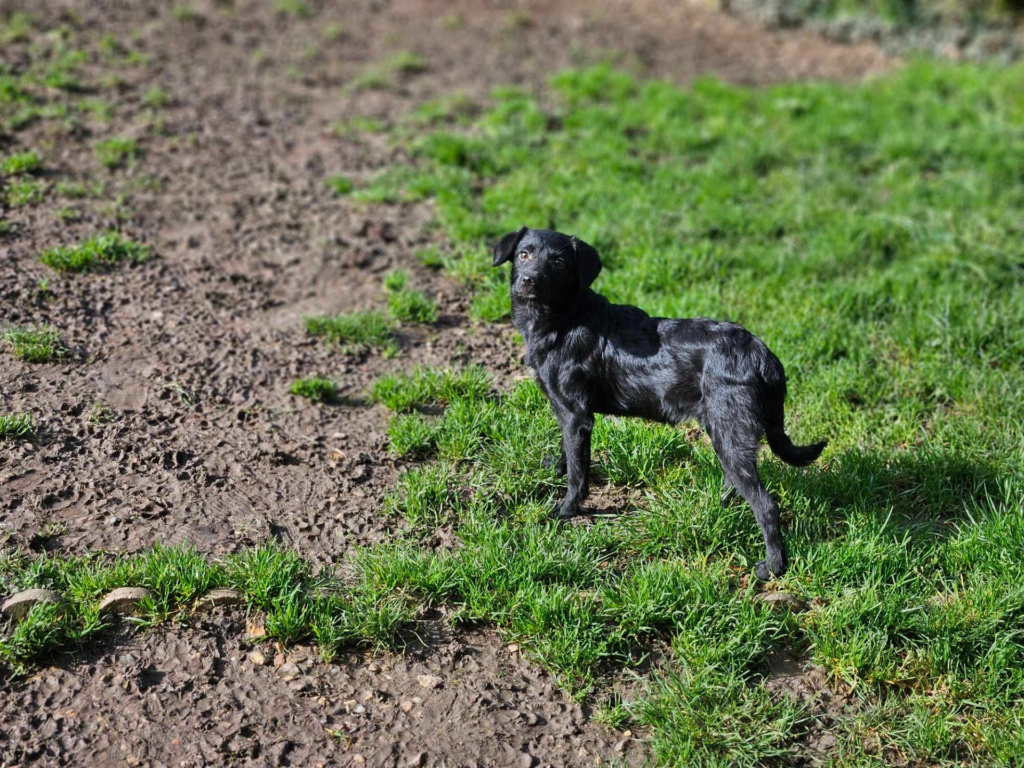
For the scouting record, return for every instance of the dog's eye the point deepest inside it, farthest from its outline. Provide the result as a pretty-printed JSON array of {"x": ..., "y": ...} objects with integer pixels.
[
  {"x": 559, "y": 263},
  {"x": 524, "y": 256}
]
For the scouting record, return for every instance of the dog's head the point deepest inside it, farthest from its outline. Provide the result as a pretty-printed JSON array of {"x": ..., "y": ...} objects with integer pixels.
[{"x": 548, "y": 268}]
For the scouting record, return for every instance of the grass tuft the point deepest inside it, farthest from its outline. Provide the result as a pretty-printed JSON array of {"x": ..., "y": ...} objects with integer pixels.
[
  {"x": 34, "y": 344},
  {"x": 20, "y": 163},
  {"x": 340, "y": 185},
  {"x": 297, "y": 8},
  {"x": 315, "y": 388},
  {"x": 406, "y": 304},
  {"x": 116, "y": 152},
  {"x": 14, "y": 425},
  {"x": 156, "y": 97},
  {"x": 354, "y": 331},
  {"x": 430, "y": 388},
  {"x": 296, "y": 604},
  {"x": 96, "y": 253}
]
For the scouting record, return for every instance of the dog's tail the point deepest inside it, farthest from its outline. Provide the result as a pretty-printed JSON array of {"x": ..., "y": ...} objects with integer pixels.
[{"x": 775, "y": 418}]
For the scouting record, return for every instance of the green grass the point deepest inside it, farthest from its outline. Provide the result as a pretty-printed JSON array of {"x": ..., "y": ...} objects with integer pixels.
[
  {"x": 156, "y": 97},
  {"x": 34, "y": 344},
  {"x": 186, "y": 14},
  {"x": 116, "y": 152},
  {"x": 315, "y": 388},
  {"x": 16, "y": 28},
  {"x": 406, "y": 304},
  {"x": 21, "y": 192},
  {"x": 871, "y": 234},
  {"x": 430, "y": 387},
  {"x": 354, "y": 331},
  {"x": 340, "y": 185},
  {"x": 382, "y": 76},
  {"x": 20, "y": 163},
  {"x": 908, "y": 13},
  {"x": 279, "y": 587},
  {"x": 297, "y": 8},
  {"x": 96, "y": 253},
  {"x": 14, "y": 425}
]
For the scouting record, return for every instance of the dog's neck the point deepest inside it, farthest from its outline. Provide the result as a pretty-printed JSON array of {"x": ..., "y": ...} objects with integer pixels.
[{"x": 537, "y": 322}]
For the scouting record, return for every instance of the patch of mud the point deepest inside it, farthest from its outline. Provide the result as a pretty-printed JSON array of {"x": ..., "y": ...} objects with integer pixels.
[{"x": 194, "y": 696}]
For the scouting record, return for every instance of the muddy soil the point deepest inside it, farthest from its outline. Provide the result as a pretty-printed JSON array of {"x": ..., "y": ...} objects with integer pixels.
[{"x": 192, "y": 354}]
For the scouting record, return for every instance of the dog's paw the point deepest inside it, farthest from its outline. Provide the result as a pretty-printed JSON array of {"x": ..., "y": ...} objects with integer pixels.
[
  {"x": 564, "y": 512},
  {"x": 764, "y": 572},
  {"x": 556, "y": 463}
]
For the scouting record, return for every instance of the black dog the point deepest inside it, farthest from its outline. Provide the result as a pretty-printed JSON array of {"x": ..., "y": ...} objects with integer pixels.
[{"x": 591, "y": 356}]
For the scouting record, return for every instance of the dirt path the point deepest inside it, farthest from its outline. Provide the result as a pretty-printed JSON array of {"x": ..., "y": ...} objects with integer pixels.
[{"x": 193, "y": 354}]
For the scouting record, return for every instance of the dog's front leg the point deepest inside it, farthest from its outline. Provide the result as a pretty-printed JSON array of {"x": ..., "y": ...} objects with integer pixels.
[{"x": 577, "y": 426}]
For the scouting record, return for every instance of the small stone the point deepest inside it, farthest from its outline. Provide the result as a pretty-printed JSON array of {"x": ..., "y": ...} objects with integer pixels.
[
  {"x": 368, "y": 695},
  {"x": 350, "y": 705},
  {"x": 513, "y": 648},
  {"x": 288, "y": 671},
  {"x": 430, "y": 681},
  {"x": 373, "y": 667},
  {"x": 124, "y": 600},
  {"x": 17, "y": 606},
  {"x": 417, "y": 761},
  {"x": 527, "y": 760},
  {"x": 358, "y": 709},
  {"x": 407, "y": 706},
  {"x": 298, "y": 686},
  {"x": 257, "y": 658},
  {"x": 279, "y": 660},
  {"x": 358, "y": 759},
  {"x": 782, "y": 600},
  {"x": 218, "y": 597},
  {"x": 255, "y": 631}
]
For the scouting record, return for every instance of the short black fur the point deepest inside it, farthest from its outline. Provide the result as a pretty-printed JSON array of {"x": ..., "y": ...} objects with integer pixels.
[{"x": 591, "y": 356}]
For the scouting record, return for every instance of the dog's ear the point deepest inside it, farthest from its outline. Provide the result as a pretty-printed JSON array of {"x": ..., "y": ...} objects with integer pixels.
[
  {"x": 506, "y": 247},
  {"x": 589, "y": 262}
]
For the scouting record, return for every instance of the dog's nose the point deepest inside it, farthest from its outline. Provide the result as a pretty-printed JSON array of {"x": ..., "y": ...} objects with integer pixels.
[{"x": 527, "y": 280}]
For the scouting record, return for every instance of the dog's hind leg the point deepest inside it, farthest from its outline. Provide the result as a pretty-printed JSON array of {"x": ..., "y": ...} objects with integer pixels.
[{"x": 736, "y": 438}]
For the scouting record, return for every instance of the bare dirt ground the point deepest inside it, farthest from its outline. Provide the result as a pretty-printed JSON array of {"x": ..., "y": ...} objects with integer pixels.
[{"x": 194, "y": 351}]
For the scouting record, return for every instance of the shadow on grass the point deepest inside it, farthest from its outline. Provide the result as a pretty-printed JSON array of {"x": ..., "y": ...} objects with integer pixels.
[{"x": 926, "y": 487}]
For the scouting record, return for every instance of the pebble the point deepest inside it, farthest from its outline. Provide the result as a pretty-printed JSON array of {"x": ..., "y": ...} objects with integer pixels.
[
  {"x": 407, "y": 706},
  {"x": 298, "y": 686},
  {"x": 288, "y": 671},
  {"x": 124, "y": 600},
  {"x": 358, "y": 759},
  {"x": 527, "y": 760},
  {"x": 257, "y": 658},
  {"x": 782, "y": 600},
  {"x": 218, "y": 597},
  {"x": 416, "y": 761},
  {"x": 430, "y": 681},
  {"x": 279, "y": 660},
  {"x": 513, "y": 648},
  {"x": 17, "y": 606}
]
